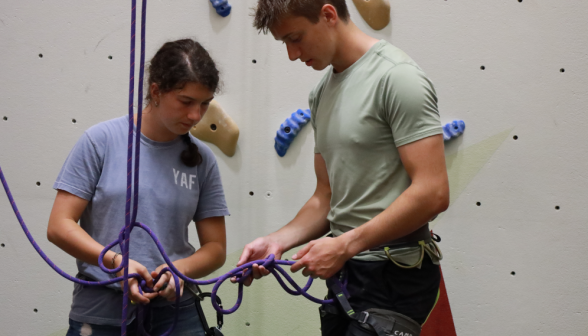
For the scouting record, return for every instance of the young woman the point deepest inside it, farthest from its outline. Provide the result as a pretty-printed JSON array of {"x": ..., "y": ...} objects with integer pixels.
[{"x": 179, "y": 182}]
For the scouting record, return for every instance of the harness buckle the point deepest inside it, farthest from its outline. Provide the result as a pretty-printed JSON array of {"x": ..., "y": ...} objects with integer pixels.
[{"x": 365, "y": 317}]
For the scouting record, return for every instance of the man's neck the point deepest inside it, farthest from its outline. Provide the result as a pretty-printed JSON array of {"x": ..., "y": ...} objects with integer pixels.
[{"x": 352, "y": 45}]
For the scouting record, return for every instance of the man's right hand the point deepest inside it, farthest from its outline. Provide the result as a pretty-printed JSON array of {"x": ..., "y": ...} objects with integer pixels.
[
  {"x": 310, "y": 223},
  {"x": 260, "y": 248}
]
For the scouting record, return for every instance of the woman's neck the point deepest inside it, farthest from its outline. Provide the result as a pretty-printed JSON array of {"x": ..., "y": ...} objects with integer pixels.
[{"x": 152, "y": 128}]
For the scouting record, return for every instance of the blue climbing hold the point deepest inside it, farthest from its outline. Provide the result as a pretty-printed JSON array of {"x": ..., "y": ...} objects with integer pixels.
[
  {"x": 222, "y": 7},
  {"x": 290, "y": 129},
  {"x": 453, "y": 129}
]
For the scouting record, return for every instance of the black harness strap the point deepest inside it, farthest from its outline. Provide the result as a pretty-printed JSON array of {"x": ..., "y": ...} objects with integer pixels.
[
  {"x": 337, "y": 289},
  {"x": 379, "y": 328},
  {"x": 209, "y": 331},
  {"x": 363, "y": 317}
]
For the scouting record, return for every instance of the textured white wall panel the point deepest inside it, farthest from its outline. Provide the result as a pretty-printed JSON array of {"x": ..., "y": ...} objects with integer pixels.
[{"x": 522, "y": 92}]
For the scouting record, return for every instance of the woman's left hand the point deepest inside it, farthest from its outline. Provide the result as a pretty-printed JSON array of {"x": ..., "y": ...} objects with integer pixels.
[{"x": 169, "y": 292}]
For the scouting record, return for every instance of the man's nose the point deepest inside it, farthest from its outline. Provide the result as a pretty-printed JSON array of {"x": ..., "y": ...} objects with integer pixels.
[{"x": 293, "y": 52}]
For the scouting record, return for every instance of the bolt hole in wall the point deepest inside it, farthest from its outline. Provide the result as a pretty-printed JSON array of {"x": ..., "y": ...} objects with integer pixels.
[
  {"x": 251, "y": 193},
  {"x": 247, "y": 324},
  {"x": 36, "y": 310},
  {"x": 254, "y": 61},
  {"x": 213, "y": 127},
  {"x": 5, "y": 118},
  {"x": 562, "y": 70},
  {"x": 512, "y": 273},
  {"x": 483, "y": 67},
  {"x": 40, "y": 55},
  {"x": 109, "y": 57},
  {"x": 2, "y": 245},
  {"x": 478, "y": 203},
  {"x": 516, "y": 137},
  {"x": 38, "y": 184},
  {"x": 73, "y": 121},
  {"x": 557, "y": 207}
]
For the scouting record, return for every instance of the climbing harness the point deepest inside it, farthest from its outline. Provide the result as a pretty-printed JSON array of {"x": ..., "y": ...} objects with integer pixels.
[
  {"x": 423, "y": 238},
  {"x": 385, "y": 322},
  {"x": 432, "y": 249}
]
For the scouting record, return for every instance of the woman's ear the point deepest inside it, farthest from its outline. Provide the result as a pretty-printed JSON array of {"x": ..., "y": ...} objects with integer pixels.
[{"x": 154, "y": 91}]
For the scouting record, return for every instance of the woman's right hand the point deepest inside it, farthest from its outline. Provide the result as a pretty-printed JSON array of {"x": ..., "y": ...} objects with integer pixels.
[
  {"x": 63, "y": 230},
  {"x": 134, "y": 295}
]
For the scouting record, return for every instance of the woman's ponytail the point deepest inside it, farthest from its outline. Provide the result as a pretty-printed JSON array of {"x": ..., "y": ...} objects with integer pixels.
[{"x": 190, "y": 156}]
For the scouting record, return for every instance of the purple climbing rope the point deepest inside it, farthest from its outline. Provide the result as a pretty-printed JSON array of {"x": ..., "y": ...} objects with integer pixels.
[
  {"x": 241, "y": 273},
  {"x": 270, "y": 263}
]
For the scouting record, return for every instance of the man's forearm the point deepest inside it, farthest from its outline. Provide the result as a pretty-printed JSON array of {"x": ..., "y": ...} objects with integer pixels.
[
  {"x": 310, "y": 223},
  {"x": 411, "y": 210}
]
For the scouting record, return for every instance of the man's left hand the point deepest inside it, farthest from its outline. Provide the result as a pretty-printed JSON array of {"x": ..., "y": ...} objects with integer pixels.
[{"x": 321, "y": 258}]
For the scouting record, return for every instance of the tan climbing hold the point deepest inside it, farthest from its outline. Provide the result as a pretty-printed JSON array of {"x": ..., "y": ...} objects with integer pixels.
[
  {"x": 375, "y": 12},
  {"x": 217, "y": 128}
]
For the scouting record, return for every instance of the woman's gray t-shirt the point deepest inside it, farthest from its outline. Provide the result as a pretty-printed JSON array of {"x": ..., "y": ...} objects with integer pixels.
[{"x": 171, "y": 195}]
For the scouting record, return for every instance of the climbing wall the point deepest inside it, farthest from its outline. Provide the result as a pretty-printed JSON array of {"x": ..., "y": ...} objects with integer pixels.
[{"x": 514, "y": 70}]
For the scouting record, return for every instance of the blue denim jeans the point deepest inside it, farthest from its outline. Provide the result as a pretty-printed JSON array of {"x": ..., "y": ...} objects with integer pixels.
[{"x": 158, "y": 321}]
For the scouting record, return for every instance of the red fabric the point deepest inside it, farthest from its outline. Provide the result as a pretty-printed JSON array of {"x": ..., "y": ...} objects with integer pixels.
[{"x": 440, "y": 322}]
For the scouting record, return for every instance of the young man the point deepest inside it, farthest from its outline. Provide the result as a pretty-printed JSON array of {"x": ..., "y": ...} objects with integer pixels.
[{"x": 380, "y": 167}]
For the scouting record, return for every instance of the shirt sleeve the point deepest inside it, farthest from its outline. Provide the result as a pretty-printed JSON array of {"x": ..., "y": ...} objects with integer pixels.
[
  {"x": 312, "y": 103},
  {"x": 410, "y": 104},
  {"x": 211, "y": 202},
  {"x": 81, "y": 171}
]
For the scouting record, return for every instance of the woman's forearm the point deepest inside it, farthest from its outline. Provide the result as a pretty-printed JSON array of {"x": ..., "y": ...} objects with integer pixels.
[
  {"x": 210, "y": 257},
  {"x": 71, "y": 238},
  {"x": 63, "y": 230}
]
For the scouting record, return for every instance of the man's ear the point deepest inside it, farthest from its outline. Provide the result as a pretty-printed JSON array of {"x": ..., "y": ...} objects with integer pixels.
[{"x": 329, "y": 13}]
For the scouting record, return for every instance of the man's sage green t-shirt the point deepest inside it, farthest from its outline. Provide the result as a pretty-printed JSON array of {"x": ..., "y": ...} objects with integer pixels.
[{"x": 360, "y": 117}]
